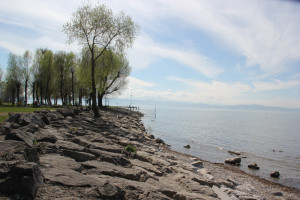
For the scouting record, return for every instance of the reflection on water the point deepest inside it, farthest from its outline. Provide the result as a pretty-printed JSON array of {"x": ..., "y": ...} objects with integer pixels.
[{"x": 269, "y": 138}]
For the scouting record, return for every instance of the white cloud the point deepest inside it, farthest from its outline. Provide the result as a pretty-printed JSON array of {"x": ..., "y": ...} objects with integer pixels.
[
  {"x": 275, "y": 85},
  {"x": 137, "y": 83},
  {"x": 146, "y": 51},
  {"x": 265, "y": 32}
]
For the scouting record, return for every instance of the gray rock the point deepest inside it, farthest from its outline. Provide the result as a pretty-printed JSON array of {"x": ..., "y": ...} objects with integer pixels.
[
  {"x": 187, "y": 146},
  {"x": 13, "y": 117},
  {"x": 253, "y": 166},
  {"x": 66, "y": 112},
  {"x": 32, "y": 118},
  {"x": 46, "y": 138},
  {"x": 159, "y": 141},
  {"x": 67, "y": 177},
  {"x": 21, "y": 136},
  {"x": 110, "y": 192},
  {"x": 78, "y": 156},
  {"x": 233, "y": 161},
  {"x": 275, "y": 174},
  {"x": 110, "y": 169},
  {"x": 23, "y": 178},
  {"x": 279, "y": 194},
  {"x": 198, "y": 164}
]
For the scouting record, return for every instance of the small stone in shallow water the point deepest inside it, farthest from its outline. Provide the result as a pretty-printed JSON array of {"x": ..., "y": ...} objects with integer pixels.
[
  {"x": 233, "y": 161},
  {"x": 279, "y": 194},
  {"x": 275, "y": 174},
  {"x": 187, "y": 146},
  {"x": 253, "y": 166}
]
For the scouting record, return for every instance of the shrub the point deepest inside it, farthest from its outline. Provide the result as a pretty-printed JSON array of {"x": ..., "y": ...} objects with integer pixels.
[{"x": 130, "y": 148}]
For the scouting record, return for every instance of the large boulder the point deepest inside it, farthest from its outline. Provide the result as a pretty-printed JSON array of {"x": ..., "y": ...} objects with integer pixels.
[
  {"x": 19, "y": 170},
  {"x": 27, "y": 137},
  {"x": 32, "y": 118}
]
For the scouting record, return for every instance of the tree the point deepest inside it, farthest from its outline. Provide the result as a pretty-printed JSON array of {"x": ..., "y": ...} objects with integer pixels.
[
  {"x": 97, "y": 26},
  {"x": 113, "y": 71},
  {"x": 26, "y": 61},
  {"x": 14, "y": 77}
]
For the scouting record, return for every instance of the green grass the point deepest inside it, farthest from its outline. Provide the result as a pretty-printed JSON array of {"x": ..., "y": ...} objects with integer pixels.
[
  {"x": 4, "y": 110},
  {"x": 2, "y": 118},
  {"x": 21, "y": 109}
]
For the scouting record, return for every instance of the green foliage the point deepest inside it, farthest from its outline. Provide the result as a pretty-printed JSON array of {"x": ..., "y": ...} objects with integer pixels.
[
  {"x": 34, "y": 142},
  {"x": 130, "y": 148},
  {"x": 95, "y": 26}
]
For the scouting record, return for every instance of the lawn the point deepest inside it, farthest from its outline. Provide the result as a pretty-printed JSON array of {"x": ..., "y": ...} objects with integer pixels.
[{"x": 4, "y": 110}]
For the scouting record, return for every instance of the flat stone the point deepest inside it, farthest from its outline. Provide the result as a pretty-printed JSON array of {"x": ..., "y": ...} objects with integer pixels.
[
  {"x": 115, "y": 158},
  {"x": 58, "y": 161},
  {"x": 67, "y": 177},
  {"x": 79, "y": 156},
  {"x": 21, "y": 136},
  {"x": 198, "y": 164},
  {"x": 110, "y": 169}
]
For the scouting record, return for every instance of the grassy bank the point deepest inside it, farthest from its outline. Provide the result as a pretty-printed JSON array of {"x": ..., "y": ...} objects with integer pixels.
[{"x": 4, "y": 110}]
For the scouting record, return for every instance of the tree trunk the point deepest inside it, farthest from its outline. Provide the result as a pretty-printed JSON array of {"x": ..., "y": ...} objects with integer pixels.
[
  {"x": 37, "y": 93},
  {"x": 41, "y": 93},
  {"x": 94, "y": 103},
  {"x": 18, "y": 94},
  {"x": 61, "y": 90},
  {"x": 33, "y": 93},
  {"x": 80, "y": 97},
  {"x": 73, "y": 88},
  {"x": 26, "y": 82},
  {"x": 13, "y": 97},
  {"x": 100, "y": 100}
]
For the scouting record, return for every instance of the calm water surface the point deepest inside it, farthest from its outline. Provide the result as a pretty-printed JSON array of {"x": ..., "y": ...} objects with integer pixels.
[{"x": 269, "y": 138}]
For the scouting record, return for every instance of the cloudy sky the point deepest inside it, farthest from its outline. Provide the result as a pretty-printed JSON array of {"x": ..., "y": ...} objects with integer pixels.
[{"x": 215, "y": 52}]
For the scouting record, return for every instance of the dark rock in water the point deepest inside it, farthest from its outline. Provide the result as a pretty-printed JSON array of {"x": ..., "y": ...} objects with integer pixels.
[
  {"x": 233, "y": 161},
  {"x": 234, "y": 153},
  {"x": 253, "y": 166},
  {"x": 198, "y": 164},
  {"x": 275, "y": 174},
  {"x": 279, "y": 194},
  {"x": 187, "y": 146},
  {"x": 160, "y": 141}
]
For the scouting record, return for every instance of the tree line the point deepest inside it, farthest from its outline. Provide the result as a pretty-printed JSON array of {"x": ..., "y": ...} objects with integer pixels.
[
  {"x": 47, "y": 77},
  {"x": 100, "y": 69}
]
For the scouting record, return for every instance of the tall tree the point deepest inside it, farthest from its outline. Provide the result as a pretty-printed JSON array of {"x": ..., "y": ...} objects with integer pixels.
[
  {"x": 98, "y": 26},
  {"x": 113, "y": 70},
  {"x": 14, "y": 77},
  {"x": 60, "y": 69},
  {"x": 26, "y": 61}
]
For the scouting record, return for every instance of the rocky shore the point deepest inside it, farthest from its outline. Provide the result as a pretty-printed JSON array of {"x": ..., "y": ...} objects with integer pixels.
[{"x": 68, "y": 154}]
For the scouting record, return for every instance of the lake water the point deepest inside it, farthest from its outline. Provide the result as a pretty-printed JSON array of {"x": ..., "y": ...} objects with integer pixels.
[{"x": 269, "y": 138}]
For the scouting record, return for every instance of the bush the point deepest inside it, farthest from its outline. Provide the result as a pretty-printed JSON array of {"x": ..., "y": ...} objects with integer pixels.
[{"x": 130, "y": 148}]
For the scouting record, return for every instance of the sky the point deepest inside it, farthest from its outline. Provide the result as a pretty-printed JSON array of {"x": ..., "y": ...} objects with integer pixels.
[{"x": 197, "y": 51}]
